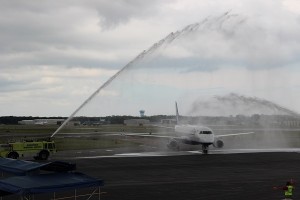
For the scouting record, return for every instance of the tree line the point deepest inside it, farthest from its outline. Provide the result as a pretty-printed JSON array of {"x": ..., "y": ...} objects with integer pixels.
[{"x": 114, "y": 119}]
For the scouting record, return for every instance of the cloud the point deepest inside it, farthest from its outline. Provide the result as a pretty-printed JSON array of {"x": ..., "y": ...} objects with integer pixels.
[
  {"x": 115, "y": 13},
  {"x": 48, "y": 87},
  {"x": 53, "y": 53},
  {"x": 67, "y": 33},
  {"x": 229, "y": 40},
  {"x": 292, "y": 5}
]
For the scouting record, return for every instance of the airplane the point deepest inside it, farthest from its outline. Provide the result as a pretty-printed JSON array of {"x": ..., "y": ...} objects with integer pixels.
[{"x": 192, "y": 135}]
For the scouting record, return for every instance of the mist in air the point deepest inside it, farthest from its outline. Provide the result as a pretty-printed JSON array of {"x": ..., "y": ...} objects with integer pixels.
[
  {"x": 217, "y": 56},
  {"x": 223, "y": 65}
]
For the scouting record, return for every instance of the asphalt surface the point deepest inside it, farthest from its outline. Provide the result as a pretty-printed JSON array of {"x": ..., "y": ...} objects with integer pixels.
[
  {"x": 188, "y": 176},
  {"x": 147, "y": 173},
  {"x": 210, "y": 177}
]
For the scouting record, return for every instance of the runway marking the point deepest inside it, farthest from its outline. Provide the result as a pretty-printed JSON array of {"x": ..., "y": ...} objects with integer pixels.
[
  {"x": 230, "y": 151},
  {"x": 138, "y": 154},
  {"x": 195, "y": 152},
  {"x": 180, "y": 153}
]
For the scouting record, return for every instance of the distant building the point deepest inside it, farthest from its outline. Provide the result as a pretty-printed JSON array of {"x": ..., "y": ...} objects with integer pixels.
[
  {"x": 291, "y": 123},
  {"x": 48, "y": 122},
  {"x": 142, "y": 113},
  {"x": 168, "y": 121},
  {"x": 96, "y": 123},
  {"x": 26, "y": 122},
  {"x": 136, "y": 122},
  {"x": 70, "y": 123}
]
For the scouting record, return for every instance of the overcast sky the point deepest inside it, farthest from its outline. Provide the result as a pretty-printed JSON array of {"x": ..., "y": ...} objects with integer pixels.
[{"x": 55, "y": 54}]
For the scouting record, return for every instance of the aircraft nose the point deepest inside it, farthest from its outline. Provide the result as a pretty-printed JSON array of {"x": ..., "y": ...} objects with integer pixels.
[{"x": 208, "y": 139}]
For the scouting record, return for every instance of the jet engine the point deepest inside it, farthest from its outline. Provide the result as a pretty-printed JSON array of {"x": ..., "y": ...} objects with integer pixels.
[
  {"x": 218, "y": 143},
  {"x": 173, "y": 145}
]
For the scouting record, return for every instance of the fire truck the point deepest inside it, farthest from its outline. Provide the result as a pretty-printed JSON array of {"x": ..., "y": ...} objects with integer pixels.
[{"x": 39, "y": 150}]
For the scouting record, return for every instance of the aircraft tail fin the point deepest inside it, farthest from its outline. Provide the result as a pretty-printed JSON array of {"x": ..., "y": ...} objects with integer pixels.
[{"x": 177, "y": 113}]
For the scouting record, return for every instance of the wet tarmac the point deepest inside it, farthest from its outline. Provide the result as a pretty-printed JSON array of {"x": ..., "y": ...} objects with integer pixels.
[
  {"x": 147, "y": 172},
  {"x": 191, "y": 176},
  {"x": 152, "y": 151},
  {"x": 232, "y": 174}
]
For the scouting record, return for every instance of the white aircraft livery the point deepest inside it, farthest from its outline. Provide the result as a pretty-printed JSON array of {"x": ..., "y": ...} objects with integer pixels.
[{"x": 193, "y": 135}]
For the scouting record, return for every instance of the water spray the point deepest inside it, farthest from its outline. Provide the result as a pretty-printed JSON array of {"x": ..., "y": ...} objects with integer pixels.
[
  {"x": 165, "y": 41},
  {"x": 239, "y": 104},
  {"x": 97, "y": 91}
]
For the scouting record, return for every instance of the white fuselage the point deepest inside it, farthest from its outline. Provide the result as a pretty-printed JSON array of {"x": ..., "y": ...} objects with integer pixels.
[{"x": 195, "y": 134}]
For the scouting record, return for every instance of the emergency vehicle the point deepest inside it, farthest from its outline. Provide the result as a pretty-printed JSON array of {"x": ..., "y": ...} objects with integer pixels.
[{"x": 40, "y": 150}]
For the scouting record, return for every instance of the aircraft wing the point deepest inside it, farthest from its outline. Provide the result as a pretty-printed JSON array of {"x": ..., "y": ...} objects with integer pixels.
[
  {"x": 233, "y": 134},
  {"x": 149, "y": 135},
  {"x": 166, "y": 127}
]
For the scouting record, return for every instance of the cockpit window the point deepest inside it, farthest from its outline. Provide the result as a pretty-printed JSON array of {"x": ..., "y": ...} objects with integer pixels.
[{"x": 205, "y": 132}]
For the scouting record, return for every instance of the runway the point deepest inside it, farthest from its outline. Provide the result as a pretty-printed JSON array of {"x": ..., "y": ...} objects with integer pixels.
[
  {"x": 145, "y": 172},
  {"x": 194, "y": 176},
  {"x": 146, "y": 152}
]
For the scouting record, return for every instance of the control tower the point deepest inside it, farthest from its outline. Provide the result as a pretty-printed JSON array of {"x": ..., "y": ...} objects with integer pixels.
[{"x": 142, "y": 113}]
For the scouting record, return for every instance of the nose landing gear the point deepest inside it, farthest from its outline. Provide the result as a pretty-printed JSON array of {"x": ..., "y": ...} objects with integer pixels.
[{"x": 205, "y": 149}]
